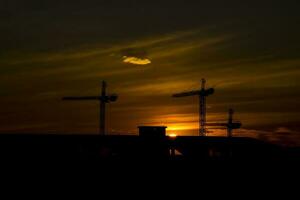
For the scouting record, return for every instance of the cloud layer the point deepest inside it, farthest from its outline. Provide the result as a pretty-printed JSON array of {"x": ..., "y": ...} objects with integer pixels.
[{"x": 50, "y": 50}]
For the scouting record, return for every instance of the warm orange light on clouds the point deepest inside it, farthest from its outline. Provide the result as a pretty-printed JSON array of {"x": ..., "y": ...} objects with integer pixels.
[
  {"x": 181, "y": 128},
  {"x": 186, "y": 124},
  {"x": 136, "y": 61}
]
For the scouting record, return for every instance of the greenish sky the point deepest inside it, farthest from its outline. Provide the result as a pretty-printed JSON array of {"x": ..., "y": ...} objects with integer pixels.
[{"x": 146, "y": 51}]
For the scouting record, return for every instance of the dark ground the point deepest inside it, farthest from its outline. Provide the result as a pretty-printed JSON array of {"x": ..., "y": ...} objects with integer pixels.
[{"x": 135, "y": 148}]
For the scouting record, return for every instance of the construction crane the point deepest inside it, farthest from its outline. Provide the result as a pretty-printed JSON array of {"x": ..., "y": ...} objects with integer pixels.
[
  {"x": 103, "y": 99},
  {"x": 230, "y": 125},
  {"x": 202, "y": 94}
]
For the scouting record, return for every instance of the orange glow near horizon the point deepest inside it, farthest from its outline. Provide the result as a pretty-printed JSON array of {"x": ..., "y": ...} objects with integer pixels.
[
  {"x": 172, "y": 135},
  {"x": 181, "y": 128},
  {"x": 188, "y": 124},
  {"x": 184, "y": 124},
  {"x": 192, "y": 129}
]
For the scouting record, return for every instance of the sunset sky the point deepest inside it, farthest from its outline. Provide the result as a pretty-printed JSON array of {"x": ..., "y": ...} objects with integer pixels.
[{"x": 146, "y": 51}]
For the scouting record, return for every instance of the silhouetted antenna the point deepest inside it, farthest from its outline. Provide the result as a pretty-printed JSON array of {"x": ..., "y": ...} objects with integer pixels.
[
  {"x": 203, "y": 93},
  {"x": 230, "y": 125},
  {"x": 103, "y": 99}
]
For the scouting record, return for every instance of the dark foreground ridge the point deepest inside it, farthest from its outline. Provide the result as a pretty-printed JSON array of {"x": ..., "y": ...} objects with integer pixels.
[{"x": 139, "y": 148}]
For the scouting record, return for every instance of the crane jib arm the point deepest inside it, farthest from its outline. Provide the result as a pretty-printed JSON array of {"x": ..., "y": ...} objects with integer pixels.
[
  {"x": 196, "y": 93},
  {"x": 106, "y": 99}
]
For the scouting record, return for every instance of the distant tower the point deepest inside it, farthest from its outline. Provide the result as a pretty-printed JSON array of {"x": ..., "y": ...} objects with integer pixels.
[
  {"x": 103, "y": 99},
  {"x": 230, "y": 125},
  {"x": 202, "y": 94},
  {"x": 202, "y": 107}
]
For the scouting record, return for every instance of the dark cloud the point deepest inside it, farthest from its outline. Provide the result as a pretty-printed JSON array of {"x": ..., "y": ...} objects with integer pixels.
[{"x": 134, "y": 52}]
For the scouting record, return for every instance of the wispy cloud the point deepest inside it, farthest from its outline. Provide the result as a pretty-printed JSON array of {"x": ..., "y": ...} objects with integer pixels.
[
  {"x": 178, "y": 61},
  {"x": 136, "y": 61},
  {"x": 284, "y": 130}
]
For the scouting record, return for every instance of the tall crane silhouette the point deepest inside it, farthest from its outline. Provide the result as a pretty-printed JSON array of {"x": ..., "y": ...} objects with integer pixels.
[
  {"x": 103, "y": 99},
  {"x": 230, "y": 125},
  {"x": 202, "y": 94}
]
